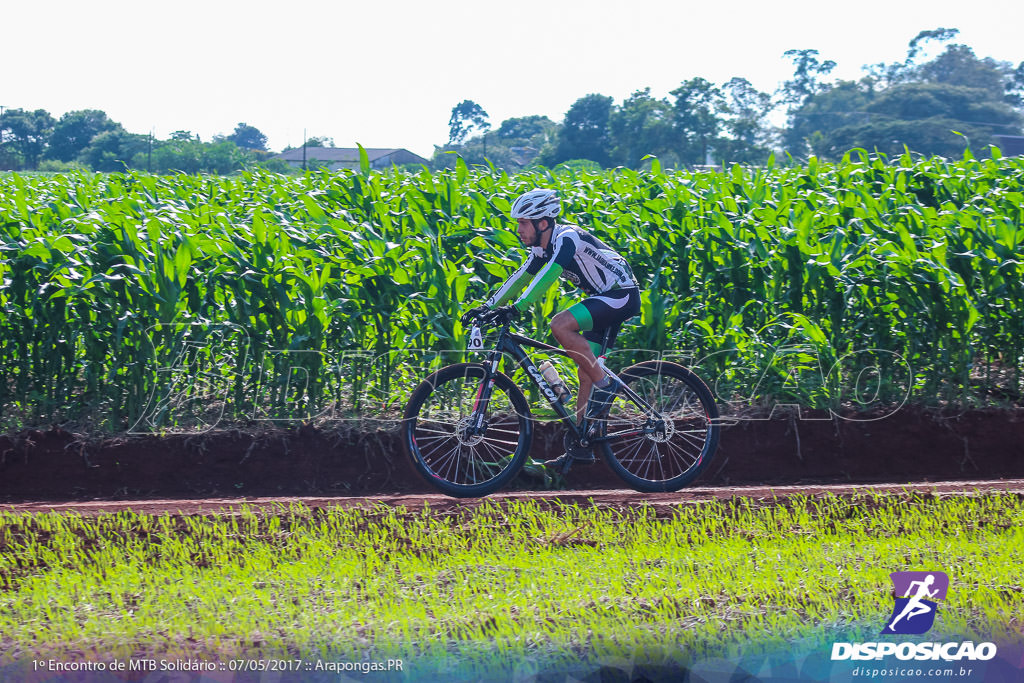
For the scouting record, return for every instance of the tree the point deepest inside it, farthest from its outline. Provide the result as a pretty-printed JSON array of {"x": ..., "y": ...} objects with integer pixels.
[
  {"x": 841, "y": 104},
  {"x": 698, "y": 107},
  {"x": 75, "y": 130},
  {"x": 938, "y": 34},
  {"x": 113, "y": 150},
  {"x": 746, "y": 110},
  {"x": 26, "y": 133},
  {"x": 880, "y": 76},
  {"x": 248, "y": 137},
  {"x": 467, "y": 117},
  {"x": 222, "y": 157},
  {"x": 514, "y": 145},
  {"x": 1015, "y": 86},
  {"x": 797, "y": 91},
  {"x": 912, "y": 103},
  {"x": 959, "y": 66},
  {"x": 315, "y": 141},
  {"x": 642, "y": 126},
  {"x": 320, "y": 141},
  {"x": 925, "y": 100},
  {"x": 933, "y": 136},
  {"x": 923, "y": 116},
  {"x": 185, "y": 154},
  {"x": 532, "y": 129},
  {"x": 181, "y": 153},
  {"x": 585, "y": 133},
  {"x": 806, "y": 77}
]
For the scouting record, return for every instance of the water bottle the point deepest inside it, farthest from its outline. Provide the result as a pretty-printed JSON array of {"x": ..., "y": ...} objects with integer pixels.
[{"x": 557, "y": 385}]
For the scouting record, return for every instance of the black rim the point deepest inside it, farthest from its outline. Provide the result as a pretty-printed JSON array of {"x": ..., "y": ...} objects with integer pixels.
[
  {"x": 445, "y": 441},
  {"x": 661, "y": 450}
]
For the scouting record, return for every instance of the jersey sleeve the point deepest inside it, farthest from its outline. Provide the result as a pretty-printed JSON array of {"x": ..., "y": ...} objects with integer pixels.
[
  {"x": 564, "y": 250},
  {"x": 515, "y": 283}
]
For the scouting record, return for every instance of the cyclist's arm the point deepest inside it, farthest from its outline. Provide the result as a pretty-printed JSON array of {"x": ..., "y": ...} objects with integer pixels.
[
  {"x": 564, "y": 251},
  {"x": 514, "y": 284}
]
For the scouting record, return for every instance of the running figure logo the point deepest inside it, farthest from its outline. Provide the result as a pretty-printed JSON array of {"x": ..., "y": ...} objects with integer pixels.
[{"x": 917, "y": 595}]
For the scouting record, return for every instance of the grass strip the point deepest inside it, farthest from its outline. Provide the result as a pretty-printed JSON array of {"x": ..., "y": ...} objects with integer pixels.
[{"x": 501, "y": 583}]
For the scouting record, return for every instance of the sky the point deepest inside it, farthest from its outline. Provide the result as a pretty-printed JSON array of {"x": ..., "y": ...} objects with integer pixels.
[{"x": 387, "y": 73}]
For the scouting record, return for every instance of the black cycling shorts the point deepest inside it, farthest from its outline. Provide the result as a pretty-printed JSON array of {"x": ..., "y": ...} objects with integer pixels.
[{"x": 604, "y": 312}]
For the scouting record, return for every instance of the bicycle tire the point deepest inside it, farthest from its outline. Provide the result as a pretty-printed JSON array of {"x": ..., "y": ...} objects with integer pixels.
[
  {"x": 671, "y": 460},
  {"x": 456, "y": 465}
]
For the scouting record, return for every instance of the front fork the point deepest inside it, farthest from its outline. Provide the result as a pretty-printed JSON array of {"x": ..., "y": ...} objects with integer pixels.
[{"x": 483, "y": 397}]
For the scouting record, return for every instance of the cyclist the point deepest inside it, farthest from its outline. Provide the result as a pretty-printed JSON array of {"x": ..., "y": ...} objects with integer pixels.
[{"x": 613, "y": 296}]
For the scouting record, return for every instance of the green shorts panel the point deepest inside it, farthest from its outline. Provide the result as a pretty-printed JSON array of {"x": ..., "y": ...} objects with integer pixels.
[{"x": 582, "y": 316}]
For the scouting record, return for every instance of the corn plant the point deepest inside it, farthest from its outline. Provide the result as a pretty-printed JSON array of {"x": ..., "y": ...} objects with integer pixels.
[{"x": 271, "y": 287}]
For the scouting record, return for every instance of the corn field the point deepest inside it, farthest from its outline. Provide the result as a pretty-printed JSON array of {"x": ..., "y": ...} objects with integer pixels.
[{"x": 139, "y": 301}]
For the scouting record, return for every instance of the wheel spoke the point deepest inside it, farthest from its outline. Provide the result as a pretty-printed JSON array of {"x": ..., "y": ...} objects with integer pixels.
[
  {"x": 679, "y": 455},
  {"x": 424, "y": 430},
  {"x": 674, "y": 452},
  {"x": 438, "y": 436},
  {"x": 443, "y": 463}
]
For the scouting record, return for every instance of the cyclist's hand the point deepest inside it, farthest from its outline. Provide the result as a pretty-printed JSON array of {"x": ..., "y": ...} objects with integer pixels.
[
  {"x": 472, "y": 313},
  {"x": 507, "y": 313}
]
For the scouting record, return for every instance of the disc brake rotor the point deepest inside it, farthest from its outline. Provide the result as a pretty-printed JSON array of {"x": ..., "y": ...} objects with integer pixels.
[
  {"x": 663, "y": 436},
  {"x": 460, "y": 432}
]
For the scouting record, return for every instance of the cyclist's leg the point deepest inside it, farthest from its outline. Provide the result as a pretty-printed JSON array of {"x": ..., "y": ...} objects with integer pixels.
[
  {"x": 581, "y": 330},
  {"x": 569, "y": 328},
  {"x": 610, "y": 311},
  {"x": 566, "y": 326}
]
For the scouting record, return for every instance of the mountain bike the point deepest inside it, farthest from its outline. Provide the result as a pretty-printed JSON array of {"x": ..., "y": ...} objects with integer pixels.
[{"x": 468, "y": 427}]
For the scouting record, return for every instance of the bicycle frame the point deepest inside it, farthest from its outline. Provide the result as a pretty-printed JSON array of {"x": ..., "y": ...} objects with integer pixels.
[{"x": 512, "y": 344}]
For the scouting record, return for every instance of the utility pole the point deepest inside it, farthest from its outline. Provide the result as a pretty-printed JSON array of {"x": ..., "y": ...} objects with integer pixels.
[
  {"x": 2, "y": 107},
  {"x": 303, "y": 149}
]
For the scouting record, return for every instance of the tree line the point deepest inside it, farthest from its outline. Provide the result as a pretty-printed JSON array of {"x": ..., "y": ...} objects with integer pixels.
[
  {"x": 89, "y": 139},
  {"x": 936, "y": 107}
]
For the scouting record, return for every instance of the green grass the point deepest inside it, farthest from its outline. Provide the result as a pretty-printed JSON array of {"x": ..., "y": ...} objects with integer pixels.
[{"x": 503, "y": 584}]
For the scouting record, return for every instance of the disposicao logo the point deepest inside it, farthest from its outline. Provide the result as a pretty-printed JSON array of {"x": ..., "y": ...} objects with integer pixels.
[{"x": 917, "y": 596}]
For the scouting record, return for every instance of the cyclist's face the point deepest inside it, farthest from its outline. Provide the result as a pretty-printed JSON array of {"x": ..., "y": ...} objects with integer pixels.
[
  {"x": 527, "y": 233},
  {"x": 530, "y": 236}
]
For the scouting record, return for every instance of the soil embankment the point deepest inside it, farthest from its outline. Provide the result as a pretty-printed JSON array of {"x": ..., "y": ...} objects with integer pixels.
[{"x": 911, "y": 445}]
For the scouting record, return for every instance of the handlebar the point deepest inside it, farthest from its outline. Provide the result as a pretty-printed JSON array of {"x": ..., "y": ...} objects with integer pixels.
[{"x": 496, "y": 317}]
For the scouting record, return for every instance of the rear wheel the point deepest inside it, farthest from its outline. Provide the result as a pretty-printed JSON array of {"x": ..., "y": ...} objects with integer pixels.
[
  {"x": 667, "y": 452},
  {"x": 440, "y": 435}
]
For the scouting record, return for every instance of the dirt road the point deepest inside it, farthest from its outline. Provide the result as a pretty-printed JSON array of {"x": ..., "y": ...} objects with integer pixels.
[{"x": 614, "y": 498}]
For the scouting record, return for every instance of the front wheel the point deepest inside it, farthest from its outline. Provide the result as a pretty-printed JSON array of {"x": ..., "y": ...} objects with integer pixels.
[
  {"x": 446, "y": 444},
  {"x": 668, "y": 449}
]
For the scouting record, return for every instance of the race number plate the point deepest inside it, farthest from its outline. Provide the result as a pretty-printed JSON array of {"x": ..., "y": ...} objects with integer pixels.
[{"x": 476, "y": 339}]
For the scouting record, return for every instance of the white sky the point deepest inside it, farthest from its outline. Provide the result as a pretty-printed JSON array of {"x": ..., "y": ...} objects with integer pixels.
[{"x": 387, "y": 73}]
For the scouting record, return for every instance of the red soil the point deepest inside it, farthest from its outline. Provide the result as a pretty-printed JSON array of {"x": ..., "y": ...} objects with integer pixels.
[{"x": 910, "y": 446}]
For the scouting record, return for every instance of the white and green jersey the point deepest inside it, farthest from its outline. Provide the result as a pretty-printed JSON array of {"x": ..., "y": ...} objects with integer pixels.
[{"x": 584, "y": 260}]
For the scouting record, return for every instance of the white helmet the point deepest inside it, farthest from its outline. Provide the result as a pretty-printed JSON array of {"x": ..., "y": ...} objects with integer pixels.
[{"x": 537, "y": 204}]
